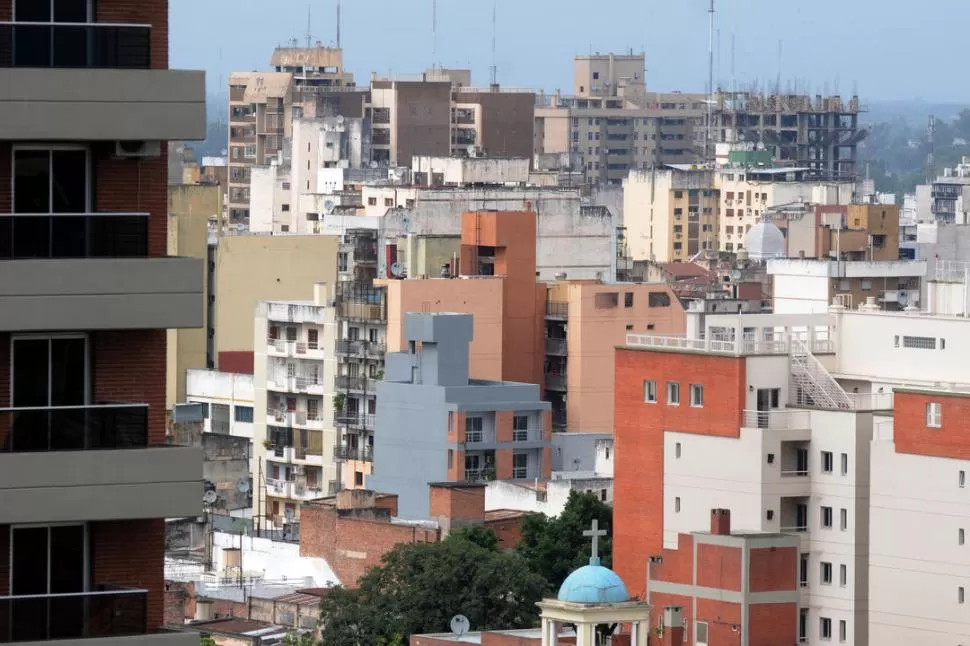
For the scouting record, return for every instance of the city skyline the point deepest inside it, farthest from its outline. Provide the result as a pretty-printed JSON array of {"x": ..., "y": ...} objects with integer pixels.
[{"x": 221, "y": 40}]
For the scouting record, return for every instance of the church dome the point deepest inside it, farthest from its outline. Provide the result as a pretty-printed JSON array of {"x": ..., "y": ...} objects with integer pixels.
[
  {"x": 765, "y": 241},
  {"x": 593, "y": 583}
]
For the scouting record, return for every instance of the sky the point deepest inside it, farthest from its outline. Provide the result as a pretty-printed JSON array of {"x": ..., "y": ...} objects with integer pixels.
[{"x": 883, "y": 49}]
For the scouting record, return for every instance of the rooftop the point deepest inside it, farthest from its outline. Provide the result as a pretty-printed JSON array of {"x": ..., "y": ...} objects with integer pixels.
[{"x": 233, "y": 625}]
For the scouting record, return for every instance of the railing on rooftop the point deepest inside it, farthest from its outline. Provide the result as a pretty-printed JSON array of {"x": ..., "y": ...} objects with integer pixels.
[
  {"x": 777, "y": 345},
  {"x": 73, "y": 428},
  {"x": 73, "y": 235},
  {"x": 109, "y": 611},
  {"x": 75, "y": 45},
  {"x": 362, "y": 453},
  {"x": 779, "y": 419}
]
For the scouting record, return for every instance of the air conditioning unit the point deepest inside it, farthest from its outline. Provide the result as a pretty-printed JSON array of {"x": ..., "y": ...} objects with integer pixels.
[{"x": 138, "y": 148}]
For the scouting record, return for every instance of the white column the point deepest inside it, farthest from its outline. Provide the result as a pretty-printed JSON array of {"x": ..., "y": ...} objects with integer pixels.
[
  {"x": 550, "y": 632},
  {"x": 641, "y": 630},
  {"x": 586, "y": 635}
]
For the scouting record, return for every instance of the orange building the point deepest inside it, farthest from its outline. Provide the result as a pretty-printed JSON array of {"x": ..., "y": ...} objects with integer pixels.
[{"x": 495, "y": 281}]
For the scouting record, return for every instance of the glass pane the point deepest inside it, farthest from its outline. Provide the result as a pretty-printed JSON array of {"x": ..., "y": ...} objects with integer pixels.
[
  {"x": 67, "y": 559},
  {"x": 32, "y": 10},
  {"x": 30, "y": 377},
  {"x": 67, "y": 372},
  {"x": 69, "y": 181},
  {"x": 70, "y": 10},
  {"x": 69, "y": 236},
  {"x": 29, "y": 560},
  {"x": 31, "y": 181},
  {"x": 31, "y": 236}
]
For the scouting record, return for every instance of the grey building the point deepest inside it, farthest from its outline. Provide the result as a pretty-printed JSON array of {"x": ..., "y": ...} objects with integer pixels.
[{"x": 435, "y": 424}]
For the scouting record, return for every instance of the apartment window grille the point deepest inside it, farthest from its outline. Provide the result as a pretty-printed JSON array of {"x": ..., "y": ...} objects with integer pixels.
[
  {"x": 650, "y": 391},
  {"x": 291, "y": 370},
  {"x": 920, "y": 342},
  {"x": 934, "y": 414},
  {"x": 520, "y": 428},
  {"x": 313, "y": 339},
  {"x": 520, "y": 465},
  {"x": 673, "y": 393},
  {"x": 312, "y": 409},
  {"x": 291, "y": 334}
]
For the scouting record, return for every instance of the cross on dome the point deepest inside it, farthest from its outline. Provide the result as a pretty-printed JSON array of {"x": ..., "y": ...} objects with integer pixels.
[{"x": 594, "y": 533}]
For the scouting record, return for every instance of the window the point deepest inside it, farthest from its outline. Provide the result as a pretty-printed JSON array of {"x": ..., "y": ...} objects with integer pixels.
[
  {"x": 473, "y": 429},
  {"x": 827, "y": 461},
  {"x": 244, "y": 414},
  {"x": 628, "y": 299},
  {"x": 677, "y": 450},
  {"x": 962, "y": 479},
  {"x": 673, "y": 393},
  {"x": 960, "y": 594},
  {"x": 285, "y": 208},
  {"x": 845, "y": 463},
  {"x": 658, "y": 299},
  {"x": 451, "y": 458},
  {"x": 520, "y": 465},
  {"x": 843, "y": 519},
  {"x": 312, "y": 409},
  {"x": 603, "y": 495},
  {"x": 342, "y": 260},
  {"x": 677, "y": 504},
  {"x": 770, "y": 514},
  {"x": 291, "y": 370},
  {"x": 771, "y": 458},
  {"x": 920, "y": 342},
  {"x": 826, "y": 517},
  {"x": 842, "y": 630},
  {"x": 520, "y": 428},
  {"x": 388, "y": 201},
  {"x": 803, "y": 570},
  {"x": 313, "y": 338},
  {"x": 358, "y": 478},
  {"x": 843, "y": 574},
  {"x": 291, "y": 334},
  {"x": 371, "y": 201},
  {"x": 825, "y": 573},
  {"x": 934, "y": 414},
  {"x": 803, "y": 625},
  {"x": 205, "y": 409},
  {"x": 961, "y": 536},
  {"x": 825, "y": 628},
  {"x": 650, "y": 391},
  {"x": 700, "y": 633},
  {"x": 696, "y": 395}
]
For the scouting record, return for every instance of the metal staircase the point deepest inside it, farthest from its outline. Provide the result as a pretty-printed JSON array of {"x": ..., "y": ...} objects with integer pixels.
[{"x": 811, "y": 383}]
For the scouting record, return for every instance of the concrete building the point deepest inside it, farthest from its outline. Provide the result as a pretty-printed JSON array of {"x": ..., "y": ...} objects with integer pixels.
[
  {"x": 228, "y": 403},
  {"x": 584, "y": 322},
  {"x": 820, "y": 134},
  {"x": 250, "y": 268},
  {"x": 293, "y": 435},
  {"x": 450, "y": 427},
  {"x": 853, "y": 232},
  {"x": 810, "y": 286},
  {"x": 670, "y": 214},
  {"x": 87, "y": 292},
  {"x": 614, "y": 125}
]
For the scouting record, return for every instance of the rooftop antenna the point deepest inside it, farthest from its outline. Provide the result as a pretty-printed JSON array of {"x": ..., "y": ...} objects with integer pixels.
[
  {"x": 778, "y": 80},
  {"x": 308, "y": 26},
  {"x": 710, "y": 88},
  {"x": 494, "y": 28},
  {"x": 734, "y": 80},
  {"x": 434, "y": 33},
  {"x": 338, "y": 24}
]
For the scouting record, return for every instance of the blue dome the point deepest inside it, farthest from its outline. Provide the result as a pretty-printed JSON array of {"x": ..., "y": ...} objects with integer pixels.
[{"x": 593, "y": 583}]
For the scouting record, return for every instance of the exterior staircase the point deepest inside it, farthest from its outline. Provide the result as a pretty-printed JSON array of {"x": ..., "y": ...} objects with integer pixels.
[{"x": 811, "y": 383}]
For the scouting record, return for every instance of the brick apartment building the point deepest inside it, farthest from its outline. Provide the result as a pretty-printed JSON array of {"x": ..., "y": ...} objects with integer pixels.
[{"x": 86, "y": 296}]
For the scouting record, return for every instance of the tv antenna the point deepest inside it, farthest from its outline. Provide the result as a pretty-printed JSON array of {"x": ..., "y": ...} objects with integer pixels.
[
  {"x": 494, "y": 29},
  {"x": 338, "y": 24},
  {"x": 460, "y": 625}
]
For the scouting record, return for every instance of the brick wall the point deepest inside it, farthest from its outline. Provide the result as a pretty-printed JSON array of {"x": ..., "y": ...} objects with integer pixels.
[
  {"x": 240, "y": 362},
  {"x": 639, "y": 436},
  {"x": 131, "y": 554},
  {"x": 129, "y": 366},
  {"x": 508, "y": 531},
  {"x": 459, "y": 504},
  {"x": 353, "y": 546},
  {"x": 719, "y": 567},
  {"x": 179, "y": 602},
  {"x": 143, "y": 12},
  {"x": 772, "y": 623},
  {"x": 912, "y": 435},
  {"x": 772, "y": 569},
  {"x": 134, "y": 186}
]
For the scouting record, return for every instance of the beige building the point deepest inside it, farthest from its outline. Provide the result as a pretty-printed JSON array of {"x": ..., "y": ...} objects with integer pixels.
[
  {"x": 584, "y": 322},
  {"x": 191, "y": 208},
  {"x": 615, "y": 124},
  {"x": 670, "y": 214},
  {"x": 251, "y": 268}
]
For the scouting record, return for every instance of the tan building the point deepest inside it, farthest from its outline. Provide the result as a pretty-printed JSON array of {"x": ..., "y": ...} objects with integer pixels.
[
  {"x": 253, "y": 268},
  {"x": 615, "y": 124},
  {"x": 190, "y": 210},
  {"x": 584, "y": 322},
  {"x": 670, "y": 214}
]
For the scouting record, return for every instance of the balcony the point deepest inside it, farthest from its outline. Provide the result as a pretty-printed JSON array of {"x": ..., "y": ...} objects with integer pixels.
[
  {"x": 93, "y": 81},
  {"x": 778, "y": 419},
  {"x": 556, "y": 347},
  {"x": 556, "y": 382},
  {"x": 357, "y": 384},
  {"x": 91, "y": 271},
  {"x": 78, "y": 463},
  {"x": 356, "y": 421},
  {"x": 360, "y": 453},
  {"x": 556, "y": 310},
  {"x": 358, "y": 311}
]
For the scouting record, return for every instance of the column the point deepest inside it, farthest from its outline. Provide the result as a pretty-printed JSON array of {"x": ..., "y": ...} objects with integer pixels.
[
  {"x": 585, "y": 634},
  {"x": 550, "y": 632}
]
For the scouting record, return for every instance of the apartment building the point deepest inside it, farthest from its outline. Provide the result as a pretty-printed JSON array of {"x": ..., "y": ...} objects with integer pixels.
[
  {"x": 227, "y": 398},
  {"x": 584, "y": 322},
  {"x": 811, "y": 285},
  {"x": 818, "y": 133},
  {"x": 262, "y": 105},
  {"x": 615, "y": 125},
  {"x": 87, "y": 292},
  {"x": 849, "y": 232},
  {"x": 293, "y": 435},
  {"x": 452, "y": 428},
  {"x": 671, "y": 214}
]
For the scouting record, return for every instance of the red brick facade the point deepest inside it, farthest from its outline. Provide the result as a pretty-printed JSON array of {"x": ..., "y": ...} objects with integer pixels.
[
  {"x": 912, "y": 435},
  {"x": 639, "y": 437},
  {"x": 131, "y": 554}
]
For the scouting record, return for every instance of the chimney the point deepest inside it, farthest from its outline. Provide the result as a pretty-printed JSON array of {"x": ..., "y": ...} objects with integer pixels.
[
  {"x": 673, "y": 626},
  {"x": 721, "y": 522},
  {"x": 456, "y": 505}
]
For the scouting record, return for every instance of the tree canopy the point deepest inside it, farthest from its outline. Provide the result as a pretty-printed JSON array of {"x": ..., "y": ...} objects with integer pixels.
[
  {"x": 419, "y": 587},
  {"x": 554, "y": 547}
]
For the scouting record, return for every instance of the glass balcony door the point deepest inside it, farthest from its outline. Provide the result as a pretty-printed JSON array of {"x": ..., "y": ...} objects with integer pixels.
[{"x": 45, "y": 45}]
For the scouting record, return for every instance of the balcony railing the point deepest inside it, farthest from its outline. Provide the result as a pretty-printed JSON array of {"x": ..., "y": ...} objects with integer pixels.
[
  {"x": 75, "y": 45},
  {"x": 555, "y": 346},
  {"x": 362, "y": 453},
  {"x": 107, "y": 612},
  {"x": 530, "y": 434},
  {"x": 779, "y": 419},
  {"x": 557, "y": 310},
  {"x": 73, "y": 428},
  {"x": 361, "y": 384},
  {"x": 794, "y": 529},
  {"x": 73, "y": 235},
  {"x": 354, "y": 420}
]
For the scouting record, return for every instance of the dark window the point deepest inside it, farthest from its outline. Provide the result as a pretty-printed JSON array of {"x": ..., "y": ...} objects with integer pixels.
[
  {"x": 658, "y": 299},
  {"x": 628, "y": 299},
  {"x": 244, "y": 414}
]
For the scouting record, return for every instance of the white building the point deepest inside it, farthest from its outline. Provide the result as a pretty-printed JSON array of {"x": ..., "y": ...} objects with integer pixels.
[
  {"x": 228, "y": 403},
  {"x": 294, "y": 437}
]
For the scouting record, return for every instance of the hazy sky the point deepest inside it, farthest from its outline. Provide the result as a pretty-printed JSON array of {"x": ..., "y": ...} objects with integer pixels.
[{"x": 895, "y": 49}]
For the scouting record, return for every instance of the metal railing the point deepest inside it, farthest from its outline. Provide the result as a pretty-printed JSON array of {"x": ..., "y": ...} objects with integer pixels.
[
  {"x": 355, "y": 420},
  {"x": 73, "y": 235},
  {"x": 109, "y": 611},
  {"x": 362, "y": 453},
  {"x": 362, "y": 384},
  {"x": 530, "y": 434},
  {"x": 797, "y": 473},
  {"x": 556, "y": 346},
  {"x": 779, "y": 419},
  {"x": 557, "y": 309},
  {"x": 73, "y": 428},
  {"x": 75, "y": 45}
]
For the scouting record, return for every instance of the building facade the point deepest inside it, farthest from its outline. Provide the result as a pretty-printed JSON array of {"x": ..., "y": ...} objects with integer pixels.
[{"x": 87, "y": 292}]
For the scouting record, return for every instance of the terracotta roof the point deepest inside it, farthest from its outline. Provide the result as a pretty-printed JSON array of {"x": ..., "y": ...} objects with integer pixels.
[
  {"x": 684, "y": 270},
  {"x": 504, "y": 514}
]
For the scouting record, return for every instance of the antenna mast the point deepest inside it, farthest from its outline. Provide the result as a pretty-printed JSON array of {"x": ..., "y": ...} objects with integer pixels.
[
  {"x": 338, "y": 24},
  {"x": 708, "y": 138},
  {"x": 434, "y": 34},
  {"x": 308, "y": 26},
  {"x": 494, "y": 28},
  {"x": 931, "y": 155}
]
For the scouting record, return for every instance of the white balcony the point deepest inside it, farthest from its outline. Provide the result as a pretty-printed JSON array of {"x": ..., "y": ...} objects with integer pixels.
[{"x": 779, "y": 419}]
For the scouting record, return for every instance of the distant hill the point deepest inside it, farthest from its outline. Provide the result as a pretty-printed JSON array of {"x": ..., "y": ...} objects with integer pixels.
[{"x": 913, "y": 113}]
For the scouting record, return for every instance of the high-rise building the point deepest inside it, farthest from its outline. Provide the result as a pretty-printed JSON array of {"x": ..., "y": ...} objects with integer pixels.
[{"x": 87, "y": 291}]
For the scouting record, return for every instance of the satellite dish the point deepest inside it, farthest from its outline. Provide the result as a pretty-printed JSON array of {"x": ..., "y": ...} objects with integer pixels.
[
  {"x": 209, "y": 497},
  {"x": 374, "y": 164},
  {"x": 460, "y": 625},
  {"x": 340, "y": 118},
  {"x": 328, "y": 206},
  {"x": 243, "y": 486},
  {"x": 397, "y": 270}
]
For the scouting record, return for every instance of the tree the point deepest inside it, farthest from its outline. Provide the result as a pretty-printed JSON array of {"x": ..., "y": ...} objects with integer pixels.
[
  {"x": 420, "y": 587},
  {"x": 297, "y": 638},
  {"x": 556, "y": 546},
  {"x": 477, "y": 534},
  {"x": 207, "y": 640}
]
